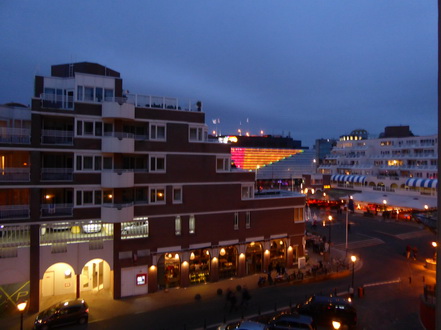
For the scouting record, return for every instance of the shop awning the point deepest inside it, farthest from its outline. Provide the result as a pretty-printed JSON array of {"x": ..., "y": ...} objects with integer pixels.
[
  {"x": 348, "y": 178},
  {"x": 426, "y": 183}
]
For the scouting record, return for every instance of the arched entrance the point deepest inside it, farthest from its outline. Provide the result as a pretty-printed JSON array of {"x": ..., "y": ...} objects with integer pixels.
[
  {"x": 95, "y": 276},
  {"x": 278, "y": 254},
  {"x": 228, "y": 258},
  {"x": 253, "y": 258},
  {"x": 58, "y": 279},
  {"x": 169, "y": 272},
  {"x": 199, "y": 266}
]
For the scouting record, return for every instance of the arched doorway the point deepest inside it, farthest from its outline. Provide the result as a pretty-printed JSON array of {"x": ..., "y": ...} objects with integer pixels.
[
  {"x": 228, "y": 258},
  {"x": 58, "y": 280},
  {"x": 278, "y": 254},
  {"x": 253, "y": 258},
  {"x": 95, "y": 276},
  {"x": 199, "y": 266},
  {"x": 169, "y": 271}
]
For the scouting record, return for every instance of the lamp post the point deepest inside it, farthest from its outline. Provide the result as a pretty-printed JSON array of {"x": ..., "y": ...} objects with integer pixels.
[
  {"x": 336, "y": 325},
  {"x": 435, "y": 245},
  {"x": 329, "y": 241},
  {"x": 353, "y": 259},
  {"x": 21, "y": 307}
]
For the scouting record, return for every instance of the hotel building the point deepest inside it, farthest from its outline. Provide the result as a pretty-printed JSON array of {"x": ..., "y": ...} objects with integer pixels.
[
  {"x": 397, "y": 171},
  {"x": 102, "y": 190}
]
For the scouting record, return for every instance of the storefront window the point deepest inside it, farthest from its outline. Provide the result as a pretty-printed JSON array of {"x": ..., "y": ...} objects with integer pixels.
[
  {"x": 199, "y": 266},
  {"x": 254, "y": 258},
  {"x": 169, "y": 270},
  {"x": 227, "y": 262},
  {"x": 278, "y": 253}
]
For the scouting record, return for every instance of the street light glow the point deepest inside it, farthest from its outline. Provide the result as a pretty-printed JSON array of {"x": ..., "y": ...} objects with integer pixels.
[{"x": 353, "y": 258}]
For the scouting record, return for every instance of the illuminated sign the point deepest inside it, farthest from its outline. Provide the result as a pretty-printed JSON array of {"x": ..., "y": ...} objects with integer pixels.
[{"x": 141, "y": 279}]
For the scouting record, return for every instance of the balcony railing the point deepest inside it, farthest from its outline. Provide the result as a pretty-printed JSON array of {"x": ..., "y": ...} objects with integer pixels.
[
  {"x": 75, "y": 232},
  {"x": 56, "y": 210},
  {"x": 19, "y": 174},
  {"x": 12, "y": 236},
  {"x": 49, "y": 136},
  {"x": 14, "y": 212},
  {"x": 56, "y": 174},
  {"x": 57, "y": 101},
  {"x": 160, "y": 102},
  {"x": 15, "y": 135}
]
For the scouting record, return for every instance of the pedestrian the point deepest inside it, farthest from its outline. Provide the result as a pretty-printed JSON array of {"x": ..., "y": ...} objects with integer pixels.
[
  {"x": 233, "y": 301},
  {"x": 245, "y": 297},
  {"x": 408, "y": 249},
  {"x": 270, "y": 279},
  {"x": 228, "y": 298},
  {"x": 415, "y": 252}
]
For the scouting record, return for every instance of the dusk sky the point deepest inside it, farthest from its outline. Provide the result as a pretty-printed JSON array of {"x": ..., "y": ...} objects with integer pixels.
[{"x": 309, "y": 68}]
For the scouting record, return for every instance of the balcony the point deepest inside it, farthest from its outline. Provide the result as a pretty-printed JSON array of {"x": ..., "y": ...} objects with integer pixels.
[
  {"x": 162, "y": 102},
  {"x": 117, "y": 212},
  {"x": 58, "y": 137},
  {"x": 21, "y": 174},
  {"x": 54, "y": 101},
  {"x": 122, "y": 110},
  {"x": 15, "y": 135},
  {"x": 56, "y": 174},
  {"x": 117, "y": 179},
  {"x": 14, "y": 212},
  {"x": 56, "y": 210},
  {"x": 118, "y": 143}
]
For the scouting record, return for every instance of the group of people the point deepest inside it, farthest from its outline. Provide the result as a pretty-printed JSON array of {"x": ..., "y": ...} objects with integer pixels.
[
  {"x": 411, "y": 252},
  {"x": 231, "y": 298}
]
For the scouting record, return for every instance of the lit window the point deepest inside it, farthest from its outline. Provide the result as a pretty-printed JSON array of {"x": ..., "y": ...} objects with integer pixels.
[
  {"x": 192, "y": 224},
  {"x": 298, "y": 214},
  {"x": 236, "y": 221},
  {"x": 178, "y": 225},
  {"x": 157, "y": 195}
]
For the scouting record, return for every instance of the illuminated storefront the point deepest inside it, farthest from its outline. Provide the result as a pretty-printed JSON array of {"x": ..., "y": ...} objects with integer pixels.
[
  {"x": 228, "y": 258},
  {"x": 253, "y": 258},
  {"x": 199, "y": 266}
]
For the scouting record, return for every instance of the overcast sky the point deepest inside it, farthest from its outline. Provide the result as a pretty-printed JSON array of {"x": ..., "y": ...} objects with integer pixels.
[{"x": 308, "y": 68}]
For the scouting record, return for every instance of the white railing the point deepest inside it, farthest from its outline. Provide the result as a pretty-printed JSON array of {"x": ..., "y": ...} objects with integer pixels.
[
  {"x": 161, "y": 102},
  {"x": 14, "y": 211},
  {"x": 56, "y": 210},
  {"x": 14, "y": 236},
  {"x": 15, "y": 174},
  {"x": 75, "y": 232},
  {"x": 56, "y": 174},
  {"x": 15, "y": 135},
  {"x": 57, "y": 101},
  {"x": 51, "y": 136}
]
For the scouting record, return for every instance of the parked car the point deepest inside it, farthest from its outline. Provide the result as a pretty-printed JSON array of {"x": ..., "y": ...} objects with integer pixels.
[
  {"x": 66, "y": 312},
  {"x": 92, "y": 228},
  {"x": 135, "y": 228},
  {"x": 243, "y": 325},
  {"x": 326, "y": 309},
  {"x": 292, "y": 321}
]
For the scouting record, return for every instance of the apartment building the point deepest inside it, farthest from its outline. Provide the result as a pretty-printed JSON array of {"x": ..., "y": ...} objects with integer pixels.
[
  {"x": 396, "y": 170},
  {"x": 106, "y": 190}
]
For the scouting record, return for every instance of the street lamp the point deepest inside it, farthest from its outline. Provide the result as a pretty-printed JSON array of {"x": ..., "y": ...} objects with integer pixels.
[
  {"x": 336, "y": 324},
  {"x": 435, "y": 245},
  {"x": 353, "y": 259},
  {"x": 329, "y": 241},
  {"x": 21, "y": 307}
]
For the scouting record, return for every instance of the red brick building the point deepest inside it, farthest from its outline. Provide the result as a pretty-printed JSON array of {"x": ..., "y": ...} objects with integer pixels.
[{"x": 105, "y": 190}]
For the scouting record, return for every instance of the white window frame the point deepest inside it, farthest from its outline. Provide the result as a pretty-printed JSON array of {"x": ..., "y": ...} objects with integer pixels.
[
  {"x": 247, "y": 191},
  {"x": 248, "y": 220},
  {"x": 201, "y": 133},
  {"x": 153, "y": 191},
  {"x": 192, "y": 224},
  {"x": 178, "y": 225},
  {"x": 153, "y": 131},
  {"x": 95, "y": 132},
  {"x": 236, "y": 220},
  {"x": 226, "y": 164},
  {"x": 299, "y": 214},
  {"x": 177, "y": 188},
  {"x": 93, "y": 192},
  {"x": 154, "y": 158},
  {"x": 94, "y": 160}
]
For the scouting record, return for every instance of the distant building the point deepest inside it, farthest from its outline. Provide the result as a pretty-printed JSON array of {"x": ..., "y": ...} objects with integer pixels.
[
  {"x": 395, "y": 171},
  {"x": 101, "y": 189}
]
